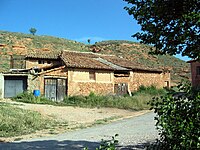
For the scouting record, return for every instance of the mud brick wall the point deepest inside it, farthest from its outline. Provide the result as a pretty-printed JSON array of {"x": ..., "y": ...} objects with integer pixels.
[
  {"x": 60, "y": 72},
  {"x": 34, "y": 63},
  {"x": 79, "y": 82},
  {"x": 85, "y": 88}
]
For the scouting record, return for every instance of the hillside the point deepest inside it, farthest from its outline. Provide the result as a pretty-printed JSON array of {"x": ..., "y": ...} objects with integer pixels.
[{"x": 21, "y": 44}]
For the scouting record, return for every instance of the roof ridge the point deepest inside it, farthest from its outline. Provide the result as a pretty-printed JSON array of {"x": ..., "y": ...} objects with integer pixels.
[{"x": 88, "y": 53}]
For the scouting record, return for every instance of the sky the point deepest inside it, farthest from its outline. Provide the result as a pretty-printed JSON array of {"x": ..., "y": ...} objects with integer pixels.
[{"x": 79, "y": 20}]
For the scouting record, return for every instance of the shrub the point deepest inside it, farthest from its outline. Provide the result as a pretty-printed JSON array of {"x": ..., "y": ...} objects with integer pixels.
[
  {"x": 108, "y": 144},
  {"x": 178, "y": 120},
  {"x": 151, "y": 90},
  {"x": 28, "y": 97},
  {"x": 136, "y": 102}
]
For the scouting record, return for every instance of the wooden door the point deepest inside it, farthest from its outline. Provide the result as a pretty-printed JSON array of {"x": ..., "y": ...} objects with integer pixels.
[
  {"x": 55, "y": 89},
  {"x": 50, "y": 89},
  {"x": 61, "y": 89},
  {"x": 121, "y": 88}
]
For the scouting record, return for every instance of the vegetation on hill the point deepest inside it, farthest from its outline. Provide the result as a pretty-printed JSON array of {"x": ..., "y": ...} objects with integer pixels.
[{"x": 20, "y": 44}]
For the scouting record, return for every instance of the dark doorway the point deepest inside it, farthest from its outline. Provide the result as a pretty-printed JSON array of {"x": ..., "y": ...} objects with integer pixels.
[
  {"x": 55, "y": 89},
  {"x": 121, "y": 88},
  {"x": 14, "y": 85}
]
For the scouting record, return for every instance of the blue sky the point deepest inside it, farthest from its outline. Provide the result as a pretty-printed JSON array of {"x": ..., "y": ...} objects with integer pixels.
[{"x": 71, "y": 19}]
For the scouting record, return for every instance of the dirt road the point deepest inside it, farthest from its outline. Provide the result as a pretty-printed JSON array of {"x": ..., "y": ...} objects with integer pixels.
[{"x": 134, "y": 133}]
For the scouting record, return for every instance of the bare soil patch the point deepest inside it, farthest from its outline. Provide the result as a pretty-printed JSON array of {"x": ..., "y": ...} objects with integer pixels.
[{"x": 71, "y": 118}]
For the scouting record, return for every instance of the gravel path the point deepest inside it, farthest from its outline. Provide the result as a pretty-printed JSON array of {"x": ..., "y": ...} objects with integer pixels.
[{"x": 134, "y": 133}]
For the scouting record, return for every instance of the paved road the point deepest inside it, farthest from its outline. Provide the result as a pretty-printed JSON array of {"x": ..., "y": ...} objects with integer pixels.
[{"x": 134, "y": 133}]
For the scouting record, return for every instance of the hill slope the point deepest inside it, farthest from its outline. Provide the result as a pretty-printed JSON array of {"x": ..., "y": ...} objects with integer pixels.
[{"x": 20, "y": 44}]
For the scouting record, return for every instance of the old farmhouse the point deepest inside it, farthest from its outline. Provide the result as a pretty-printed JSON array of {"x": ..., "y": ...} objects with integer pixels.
[{"x": 57, "y": 74}]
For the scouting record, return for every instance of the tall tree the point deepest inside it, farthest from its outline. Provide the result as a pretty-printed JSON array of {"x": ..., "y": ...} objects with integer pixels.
[
  {"x": 172, "y": 26},
  {"x": 32, "y": 31}
]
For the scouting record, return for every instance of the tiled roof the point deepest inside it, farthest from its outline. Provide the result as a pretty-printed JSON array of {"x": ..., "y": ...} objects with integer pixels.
[
  {"x": 43, "y": 54},
  {"x": 83, "y": 60},
  {"x": 90, "y": 60},
  {"x": 100, "y": 61},
  {"x": 128, "y": 64}
]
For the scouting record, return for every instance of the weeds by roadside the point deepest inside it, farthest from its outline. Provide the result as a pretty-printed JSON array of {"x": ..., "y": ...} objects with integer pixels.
[
  {"x": 16, "y": 121},
  {"x": 138, "y": 100}
]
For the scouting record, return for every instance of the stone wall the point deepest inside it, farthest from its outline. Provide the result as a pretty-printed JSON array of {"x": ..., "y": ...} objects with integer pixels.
[
  {"x": 147, "y": 79},
  {"x": 138, "y": 78},
  {"x": 35, "y": 83}
]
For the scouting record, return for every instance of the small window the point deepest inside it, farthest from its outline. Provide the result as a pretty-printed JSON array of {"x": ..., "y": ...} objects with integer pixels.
[
  {"x": 40, "y": 61},
  {"x": 198, "y": 70},
  {"x": 92, "y": 75}
]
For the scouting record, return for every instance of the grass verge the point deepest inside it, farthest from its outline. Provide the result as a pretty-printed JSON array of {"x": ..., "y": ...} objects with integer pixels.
[
  {"x": 138, "y": 100},
  {"x": 16, "y": 121}
]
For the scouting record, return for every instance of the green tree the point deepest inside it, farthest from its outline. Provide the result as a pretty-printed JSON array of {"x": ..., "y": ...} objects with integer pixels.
[
  {"x": 172, "y": 26},
  {"x": 33, "y": 31},
  {"x": 178, "y": 119},
  {"x": 88, "y": 41}
]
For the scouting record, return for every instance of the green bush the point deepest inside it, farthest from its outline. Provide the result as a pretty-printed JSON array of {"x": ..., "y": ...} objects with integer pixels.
[
  {"x": 178, "y": 119},
  {"x": 28, "y": 97},
  {"x": 136, "y": 102},
  {"x": 151, "y": 90},
  {"x": 107, "y": 144}
]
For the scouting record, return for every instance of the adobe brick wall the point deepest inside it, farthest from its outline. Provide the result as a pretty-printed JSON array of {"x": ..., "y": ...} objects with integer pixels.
[
  {"x": 30, "y": 63},
  {"x": 85, "y": 88},
  {"x": 60, "y": 72},
  {"x": 79, "y": 82}
]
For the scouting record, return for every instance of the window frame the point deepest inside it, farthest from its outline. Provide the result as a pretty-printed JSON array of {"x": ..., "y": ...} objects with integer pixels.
[{"x": 92, "y": 75}]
